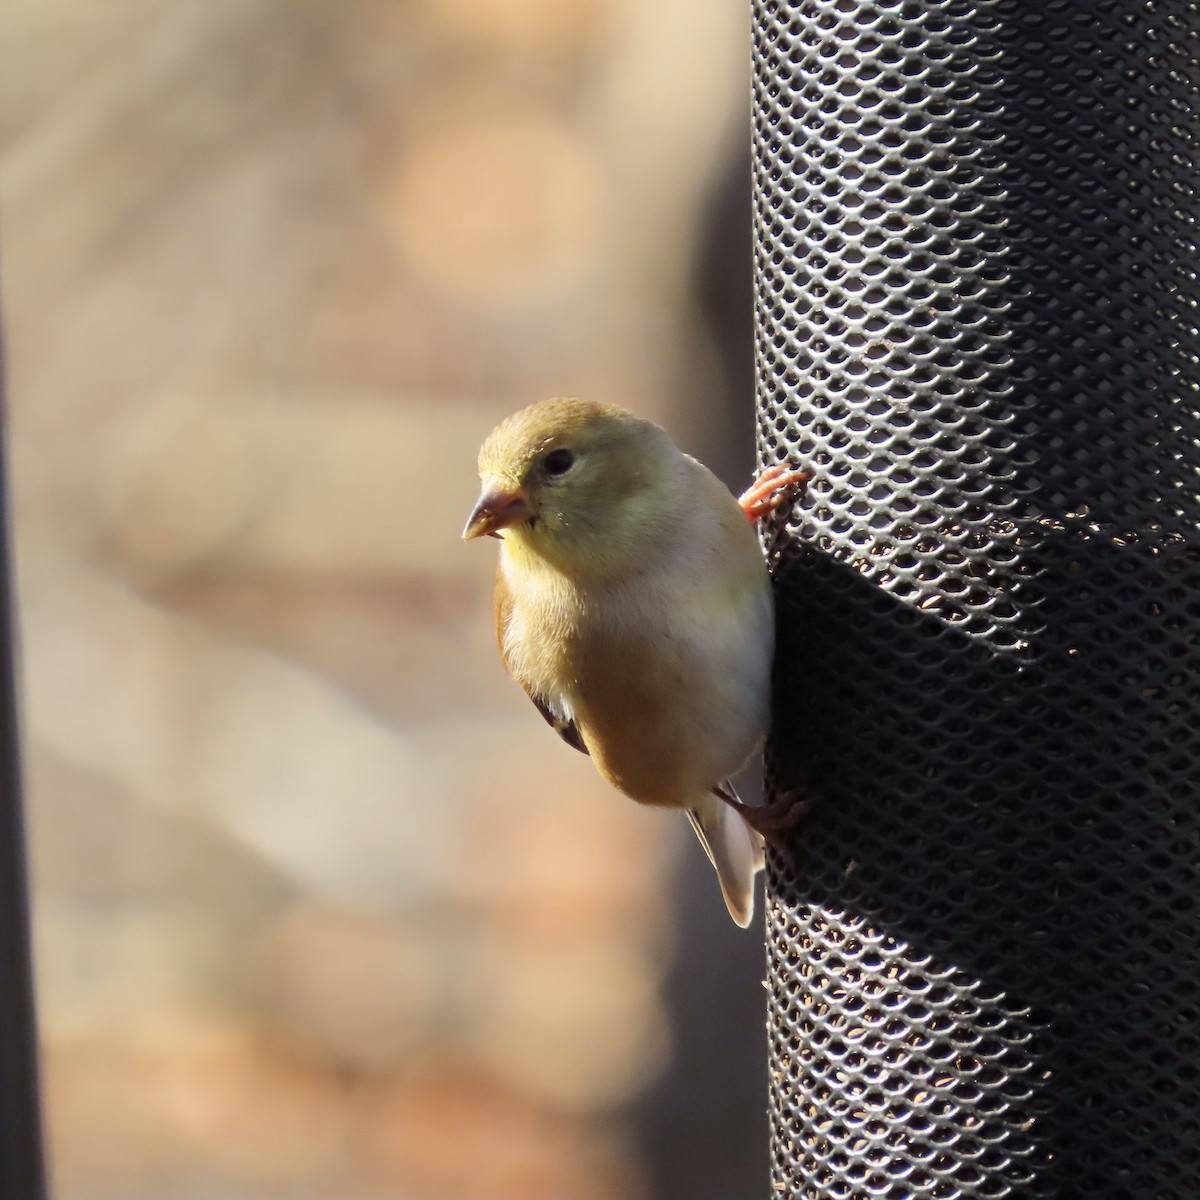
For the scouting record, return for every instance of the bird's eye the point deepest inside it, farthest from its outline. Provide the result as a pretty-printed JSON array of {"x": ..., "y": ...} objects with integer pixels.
[{"x": 559, "y": 461}]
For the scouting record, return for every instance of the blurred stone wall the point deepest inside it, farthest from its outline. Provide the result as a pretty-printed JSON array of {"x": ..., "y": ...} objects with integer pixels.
[{"x": 322, "y": 909}]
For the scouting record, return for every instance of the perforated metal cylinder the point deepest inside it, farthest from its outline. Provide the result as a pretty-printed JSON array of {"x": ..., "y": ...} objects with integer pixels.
[{"x": 977, "y": 304}]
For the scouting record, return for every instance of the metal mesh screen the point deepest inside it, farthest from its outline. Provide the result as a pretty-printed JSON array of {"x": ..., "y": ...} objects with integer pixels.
[{"x": 977, "y": 324}]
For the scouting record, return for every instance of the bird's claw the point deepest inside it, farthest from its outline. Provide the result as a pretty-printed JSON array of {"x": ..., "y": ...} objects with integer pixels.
[
  {"x": 771, "y": 489},
  {"x": 776, "y": 820}
]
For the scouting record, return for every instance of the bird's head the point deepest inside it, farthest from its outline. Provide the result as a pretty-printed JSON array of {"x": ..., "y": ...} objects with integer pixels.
[{"x": 574, "y": 482}]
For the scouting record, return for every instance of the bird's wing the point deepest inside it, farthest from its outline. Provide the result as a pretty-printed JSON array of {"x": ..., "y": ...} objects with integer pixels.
[{"x": 565, "y": 727}]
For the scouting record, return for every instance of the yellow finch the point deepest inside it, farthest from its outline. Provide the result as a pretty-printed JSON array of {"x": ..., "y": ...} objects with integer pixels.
[{"x": 633, "y": 604}]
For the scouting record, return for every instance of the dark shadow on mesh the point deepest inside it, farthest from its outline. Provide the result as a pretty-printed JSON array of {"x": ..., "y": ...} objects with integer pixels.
[{"x": 1051, "y": 879}]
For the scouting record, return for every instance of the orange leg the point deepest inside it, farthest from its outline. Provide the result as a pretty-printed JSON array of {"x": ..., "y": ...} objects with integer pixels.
[{"x": 771, "y": 489}]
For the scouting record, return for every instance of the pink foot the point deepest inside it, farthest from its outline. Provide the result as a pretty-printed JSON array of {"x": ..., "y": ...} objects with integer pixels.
[
  {"x": 771, "y": 489},
  {"x": 773, "y": 821}
]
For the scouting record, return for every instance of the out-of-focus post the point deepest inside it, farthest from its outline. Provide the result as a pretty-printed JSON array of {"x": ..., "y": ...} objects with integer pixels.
[
  {"x": 976, "y": 318},
  {"x": 22, "y": 1170}
]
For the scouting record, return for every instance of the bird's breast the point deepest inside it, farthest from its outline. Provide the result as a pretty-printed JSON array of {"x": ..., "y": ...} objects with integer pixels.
[
  {"x": 672, "y": 688},
  {"x": 666, "y": 674},
  {"x": 541, "y": 629}
]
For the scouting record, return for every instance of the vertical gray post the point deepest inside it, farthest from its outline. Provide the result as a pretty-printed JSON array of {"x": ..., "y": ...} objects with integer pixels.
[
  {"x": 977, "y": 302},
  {"x": 22, "y": 1172}
]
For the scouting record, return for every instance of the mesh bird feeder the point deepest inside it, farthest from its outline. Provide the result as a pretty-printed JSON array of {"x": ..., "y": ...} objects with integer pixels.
[{"x": 976, "y": 319}]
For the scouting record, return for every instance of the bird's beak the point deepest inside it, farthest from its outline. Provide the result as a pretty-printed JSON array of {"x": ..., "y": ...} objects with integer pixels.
[{"x": 497, "y": 509}]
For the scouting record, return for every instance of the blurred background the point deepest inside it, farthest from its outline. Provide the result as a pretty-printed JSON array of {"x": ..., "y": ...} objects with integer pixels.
[{"x": 322, "y": 909}]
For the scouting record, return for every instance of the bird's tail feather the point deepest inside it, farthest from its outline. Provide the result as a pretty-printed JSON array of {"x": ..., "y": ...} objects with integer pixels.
[{"x": 734, "y": 849}]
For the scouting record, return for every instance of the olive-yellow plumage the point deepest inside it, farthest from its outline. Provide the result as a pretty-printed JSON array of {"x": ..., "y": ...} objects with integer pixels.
[{"x": 633, "y": 604}]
